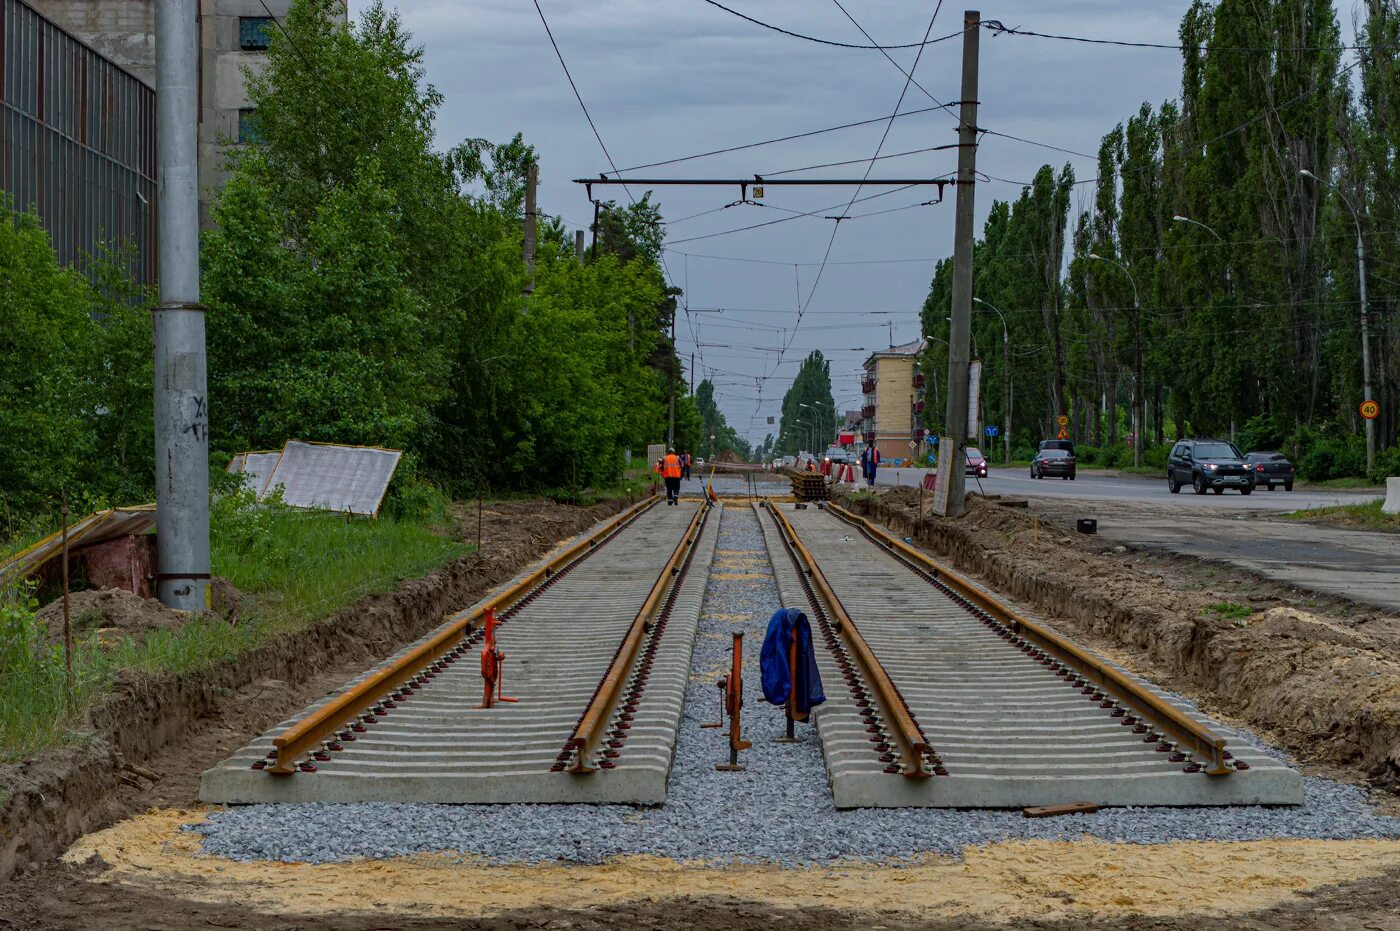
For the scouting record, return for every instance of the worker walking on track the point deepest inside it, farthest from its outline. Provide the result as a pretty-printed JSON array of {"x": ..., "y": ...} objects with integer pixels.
[
  {"x": 685, "y": 466},
  {"x": 670, "y": 469}
]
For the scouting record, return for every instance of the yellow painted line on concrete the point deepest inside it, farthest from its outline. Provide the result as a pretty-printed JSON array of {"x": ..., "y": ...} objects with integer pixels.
[{"x": 1047, "y": 880}]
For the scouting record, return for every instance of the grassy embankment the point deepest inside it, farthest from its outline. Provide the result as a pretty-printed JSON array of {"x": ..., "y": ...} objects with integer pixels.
[
  {"x": 1367, "y": 516},
  {"x": 295, "y": 567}
]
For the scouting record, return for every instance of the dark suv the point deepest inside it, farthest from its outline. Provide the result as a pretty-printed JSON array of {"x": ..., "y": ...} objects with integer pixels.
[{"x": 1213, "y": 465}]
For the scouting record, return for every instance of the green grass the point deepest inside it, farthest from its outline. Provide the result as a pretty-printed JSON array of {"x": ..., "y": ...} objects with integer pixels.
[
  {"x": 1229, "y": 609},
  {"x": 1367, "y": 516},
  {"x": 1343, "y": 483},
  {"x": 296, "y": 567}
]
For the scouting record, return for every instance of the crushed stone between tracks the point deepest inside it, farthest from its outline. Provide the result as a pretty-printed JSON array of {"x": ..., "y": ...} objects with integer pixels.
[{"x": 779, "y": 811}]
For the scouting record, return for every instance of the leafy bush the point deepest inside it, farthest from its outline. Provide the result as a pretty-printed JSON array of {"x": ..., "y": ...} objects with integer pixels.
[
  {"x": 1263, "y": 432},
  {"x": 1329, "y": 452},
  {"x": 1156, "y": 456},
  {"x": 1387, "y": 464}
]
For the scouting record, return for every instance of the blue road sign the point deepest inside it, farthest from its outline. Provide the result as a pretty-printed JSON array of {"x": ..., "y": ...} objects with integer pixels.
[{"x": 993, "y": 431}]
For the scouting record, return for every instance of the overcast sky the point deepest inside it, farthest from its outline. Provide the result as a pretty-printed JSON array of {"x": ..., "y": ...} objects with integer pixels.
[{"x": 667, "y": 78}]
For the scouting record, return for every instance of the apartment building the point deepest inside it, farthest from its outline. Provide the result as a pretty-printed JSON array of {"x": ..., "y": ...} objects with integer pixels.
[
  {"x": 893, "y": 389},
  {"x": 234, "y": 35}
]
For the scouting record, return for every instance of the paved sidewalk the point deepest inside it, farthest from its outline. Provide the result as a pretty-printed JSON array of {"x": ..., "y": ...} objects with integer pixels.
[{"x": 1361, "y": 565}]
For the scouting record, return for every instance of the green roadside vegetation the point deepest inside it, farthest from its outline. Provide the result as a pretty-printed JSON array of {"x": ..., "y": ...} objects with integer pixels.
[
  {"x": 293, "y": 567},
  {"x": 1194, "y": 272},
  {"x": 1367, "y": 516}
]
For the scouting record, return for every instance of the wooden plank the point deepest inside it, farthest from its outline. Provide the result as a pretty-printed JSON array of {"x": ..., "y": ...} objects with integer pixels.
[{"x": 1054, "y": 811}]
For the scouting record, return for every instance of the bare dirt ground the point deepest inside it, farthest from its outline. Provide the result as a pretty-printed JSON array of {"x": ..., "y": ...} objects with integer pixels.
[{"x": 70, "y": 899}]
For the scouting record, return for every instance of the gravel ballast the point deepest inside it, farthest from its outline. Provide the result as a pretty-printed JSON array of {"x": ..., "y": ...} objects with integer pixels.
[{"x": 778, "y": 811}]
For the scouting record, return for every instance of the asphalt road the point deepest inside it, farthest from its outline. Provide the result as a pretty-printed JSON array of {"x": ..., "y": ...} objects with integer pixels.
[{"x": 1099, "y": 487}]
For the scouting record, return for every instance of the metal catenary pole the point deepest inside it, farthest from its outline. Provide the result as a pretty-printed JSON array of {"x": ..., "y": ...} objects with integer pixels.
[
  {"x": 955, "y": 421},
  {"x": 181, "y": 396}
]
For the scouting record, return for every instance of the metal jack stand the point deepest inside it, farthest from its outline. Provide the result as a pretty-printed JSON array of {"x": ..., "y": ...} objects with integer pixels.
[
  {"x": 492, "y": 664},
  {"x": 732, "y": 700}
]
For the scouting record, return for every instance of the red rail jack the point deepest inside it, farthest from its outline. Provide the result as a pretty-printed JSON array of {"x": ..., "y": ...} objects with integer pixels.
[
  {"x": 492, "y": 664},
  {"x": 731, "y": 698}
]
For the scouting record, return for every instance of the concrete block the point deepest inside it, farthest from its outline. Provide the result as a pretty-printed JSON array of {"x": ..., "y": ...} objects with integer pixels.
[{"x": 1391, "y": 505}]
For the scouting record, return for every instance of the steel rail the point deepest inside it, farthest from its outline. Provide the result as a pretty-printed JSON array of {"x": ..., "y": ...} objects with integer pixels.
[
  {"x": 913, "y": 746},
  {"x": 1199, "y": 739},
  {"x": 600, "y": 708},
  {"x": 596, "y": 716},
  {"x": 308, "y": 733}
]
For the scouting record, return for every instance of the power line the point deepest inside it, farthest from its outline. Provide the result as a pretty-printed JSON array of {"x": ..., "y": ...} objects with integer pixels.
[
  {"x": 798, "y": 35},
  {"x": 577, "y": 96},
  {"x": 810, "y": 213},
  {"x": 857, "y": 161},
  {"x": 774, "y": 141},
  {"x": 908, "y": 79},
  {"x": 999, "y": 28}
]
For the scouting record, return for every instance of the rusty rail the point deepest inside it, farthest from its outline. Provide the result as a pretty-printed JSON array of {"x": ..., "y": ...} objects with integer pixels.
[
  {"x": 913, "y": 746},
  {"x": 599, "y": 711},
  {"x": 308, "y": 733},
  {"x": 1197, "y": 738}
]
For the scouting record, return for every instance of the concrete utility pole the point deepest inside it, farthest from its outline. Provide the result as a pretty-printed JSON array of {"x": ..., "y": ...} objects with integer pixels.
[
  {"x": 955, "y": 420},
  {"x": 1365, "y": 327},
  {"x": 181, "y": 395},
  {"x": 671, "y": 413},
  {"x": 578, "y": 245},
  {"x": 1006, "y": 377},
  {"x": 1138, "y": 411},
  {"x": 532, "y": 179}
]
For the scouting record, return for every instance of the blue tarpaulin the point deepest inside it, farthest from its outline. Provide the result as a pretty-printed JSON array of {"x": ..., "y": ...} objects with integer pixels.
[{"x": 773, "y": 662}]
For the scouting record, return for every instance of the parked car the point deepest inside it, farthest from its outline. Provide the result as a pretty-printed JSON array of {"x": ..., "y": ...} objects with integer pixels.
[
  {"x": 1208, "y": 465},
  {"x": 976, "y": 462},
  {"x": 1271, "y": 469},
  {"x": 699, "y": 462},
  {"x": 1053, "y": 462}
]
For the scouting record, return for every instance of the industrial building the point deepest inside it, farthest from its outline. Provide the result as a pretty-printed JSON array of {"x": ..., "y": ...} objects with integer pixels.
[{"x": 78, "y": 143}]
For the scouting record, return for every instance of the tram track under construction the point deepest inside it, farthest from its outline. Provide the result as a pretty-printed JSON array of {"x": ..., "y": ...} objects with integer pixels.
[{"x": 567, "y": 686}]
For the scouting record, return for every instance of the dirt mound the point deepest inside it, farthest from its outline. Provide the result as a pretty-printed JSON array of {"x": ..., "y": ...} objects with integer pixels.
[
  {"x": 1324, "y": 684},
  {"x": 110, "y": 613},
  {"x": 113, "y": 613}
]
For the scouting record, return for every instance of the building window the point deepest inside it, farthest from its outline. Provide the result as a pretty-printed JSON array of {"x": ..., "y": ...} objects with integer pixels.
[
  {"x": 255, "y": 32},
  {"x": 248, "y": 126}
]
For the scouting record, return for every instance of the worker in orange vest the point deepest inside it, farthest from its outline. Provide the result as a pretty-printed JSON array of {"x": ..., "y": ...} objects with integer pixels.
[{"x": 670, "y": 469}]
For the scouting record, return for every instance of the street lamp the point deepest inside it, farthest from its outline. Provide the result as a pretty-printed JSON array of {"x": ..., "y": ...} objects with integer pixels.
[
  {"x": 1365, "y": 334},
  {"x": 1006, "y": 367},
  {"x": 1229, "y": 282},
  {"x": 1137, "y": 358}
]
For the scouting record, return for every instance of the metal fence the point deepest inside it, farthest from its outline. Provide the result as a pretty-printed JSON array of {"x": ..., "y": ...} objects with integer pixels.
[{"x": 77, "y": 142}]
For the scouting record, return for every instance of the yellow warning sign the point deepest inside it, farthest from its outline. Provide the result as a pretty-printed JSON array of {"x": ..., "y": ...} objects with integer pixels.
[
  {"x": 1062, "y": 435},
  {"x": 1062, "y": 420}
]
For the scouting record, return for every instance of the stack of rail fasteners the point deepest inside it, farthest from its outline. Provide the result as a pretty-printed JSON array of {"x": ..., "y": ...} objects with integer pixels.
[{"x": 809, "y": 486}]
